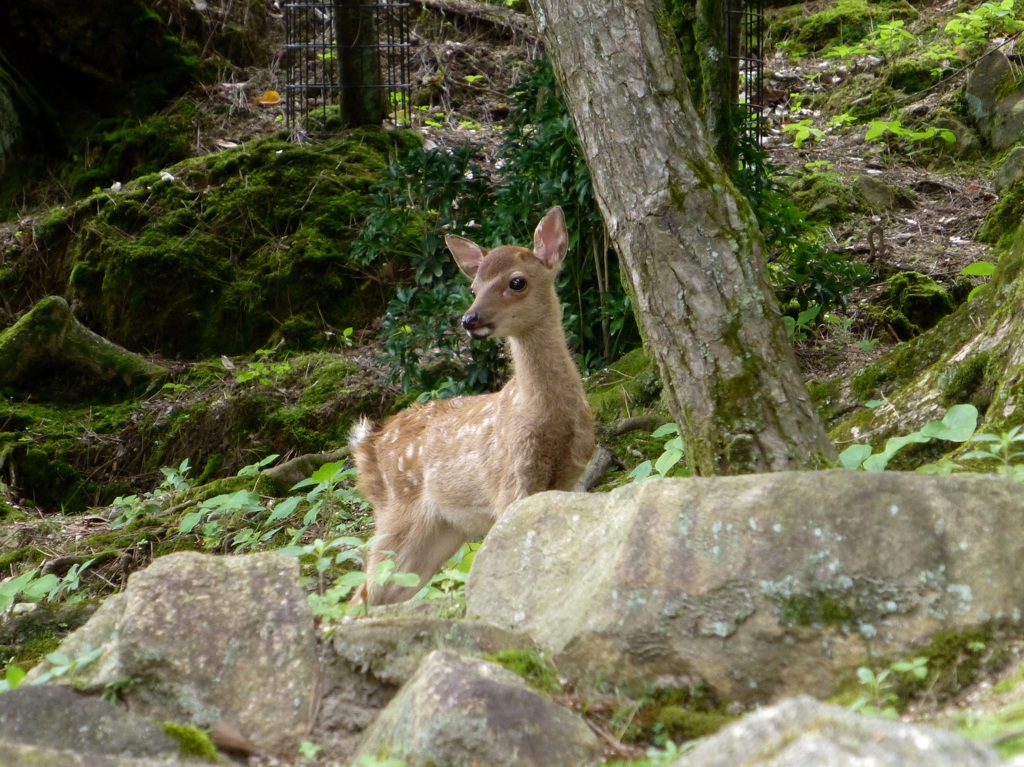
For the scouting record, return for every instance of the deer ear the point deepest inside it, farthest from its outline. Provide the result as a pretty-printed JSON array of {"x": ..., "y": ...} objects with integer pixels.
[
  {"x": 468, "y": 254},
  {"x": 550, "y": 240}
]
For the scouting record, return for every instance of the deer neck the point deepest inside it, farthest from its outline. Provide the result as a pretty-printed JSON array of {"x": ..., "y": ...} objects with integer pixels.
[{"x": 544, "y": 371}]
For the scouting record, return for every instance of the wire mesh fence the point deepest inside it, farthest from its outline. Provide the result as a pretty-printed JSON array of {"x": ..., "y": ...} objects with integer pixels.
[
  {"x": 745, "y": 32},
  {"x": 346, "y": 62}
]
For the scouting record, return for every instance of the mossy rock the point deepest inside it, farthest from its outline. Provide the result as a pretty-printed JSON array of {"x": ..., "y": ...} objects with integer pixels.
[
  {"x": 125, "y": 149},
  {"x": 971, "y": 381},
  {"x": 27, "y": 637},
  {"x": 193, "y": 743},
  {"x": 825, "y": 196},
  {"x": 680, "y": 724},
  {"x": 912, "y": 75},
  {"x": 47, "y": 354},
  {"x": 630, "y": 383},
  {"x": 848, "y": 21},
  {"x": 537, "y": 672},
  {"x": 217, "y": 258},
  {"x": 911, "y": 303}
]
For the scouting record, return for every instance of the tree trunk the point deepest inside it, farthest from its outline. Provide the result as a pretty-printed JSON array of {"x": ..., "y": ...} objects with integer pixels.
[
  {"x": 689, "y": 243},
  {"x": 362, "y": 97}
]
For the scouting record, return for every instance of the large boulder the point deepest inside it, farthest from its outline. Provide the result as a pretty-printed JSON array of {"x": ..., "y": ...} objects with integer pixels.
[
  {"x": 208, "y": 641},
  {"x": 461, "y": 711},
  {"x": 801, "y": 732},
  {"x": 759, "y": 585}
]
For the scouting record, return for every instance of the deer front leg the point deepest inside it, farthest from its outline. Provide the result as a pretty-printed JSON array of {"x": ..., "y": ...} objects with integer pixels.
[{"x": 421, "y": 549}]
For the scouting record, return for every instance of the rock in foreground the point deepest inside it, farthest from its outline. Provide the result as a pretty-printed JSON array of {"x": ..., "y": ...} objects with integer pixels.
[
  {"x": 760, "y": 585},
  {"x": 461, "y": 711},
  {"x": 208, "y": 640},
  {"x": 801, "y": 732}
]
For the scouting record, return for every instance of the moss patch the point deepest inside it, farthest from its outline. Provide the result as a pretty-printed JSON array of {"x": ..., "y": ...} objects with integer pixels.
[
  {"x": 629, "y": 384},
  {"x": 1002, "y": 221},
  {"x": 537, "y": 672},
  {"x": 193, "y": 743},
  {"x": 216, "y": 259},
  {"x": 847, "y": 21},
  {"x": 969, "y": 381},
  {"x": 28, "y": 637},
  {"x": 825, "y": 196},
  {"x": 912, "y": 75}
]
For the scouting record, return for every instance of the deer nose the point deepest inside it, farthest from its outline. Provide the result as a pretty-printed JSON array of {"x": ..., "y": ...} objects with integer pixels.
[{"x": 470, "y": 320}]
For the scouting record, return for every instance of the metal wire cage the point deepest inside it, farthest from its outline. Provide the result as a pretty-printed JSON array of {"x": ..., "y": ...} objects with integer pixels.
[
  {"x": 347, "y": 62},
  {"x": 745, "y": 32}
]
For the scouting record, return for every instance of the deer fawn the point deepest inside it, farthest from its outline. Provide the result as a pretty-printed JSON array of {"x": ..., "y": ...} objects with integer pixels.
[{"x": 441, "y": 473}]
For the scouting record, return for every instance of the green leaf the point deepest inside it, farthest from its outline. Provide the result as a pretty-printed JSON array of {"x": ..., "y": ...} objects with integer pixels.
[
  {"x": 350, "y": 579},
  {"x": 854, "y": 456},
  {"x": 664, "y": 430},
  {"x": 893, "y": 445},
  {"x": 254, "y": 468},
  {"x": 14, "y": 676},
  {"x": 958, "y": 425},
  {"x": 283, "y": 509},
  {"x": 979, "y": 269},
  {"x": 240, "y": 500},
  {"x": 667, "y": 460},
  {"x": 877, "y": 130},
  {"x": 807, "y": 315},
  {"x": 326, "y": 472},
  {"x": 189, "y": 521},
  {"x": 405, "y": 580},
  {"x": 642, "y": 471},
  {"x": 41, "y": 587},
  {"x": 58, "y": 659}
]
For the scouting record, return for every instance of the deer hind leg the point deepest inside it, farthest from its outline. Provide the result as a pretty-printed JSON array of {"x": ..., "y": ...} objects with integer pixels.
[{"x": 421, "y": 549}]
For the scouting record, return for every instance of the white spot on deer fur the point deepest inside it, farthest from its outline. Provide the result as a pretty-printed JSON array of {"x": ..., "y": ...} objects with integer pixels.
[
  {"x": 401, "y": 463},
  {"x": 409, "y": 451}
]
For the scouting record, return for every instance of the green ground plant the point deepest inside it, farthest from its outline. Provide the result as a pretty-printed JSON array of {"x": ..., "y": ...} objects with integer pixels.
[
  {"x": 957, "y": 425},
  {"x": 880, "y": 696},
  {"x": 803, "y": 130},
  {"x": 960, "y": 426},
  {"x": 671, "y": 455},
  {"x": 889, "y": 131},
  {"x": 974, "y": 28}
]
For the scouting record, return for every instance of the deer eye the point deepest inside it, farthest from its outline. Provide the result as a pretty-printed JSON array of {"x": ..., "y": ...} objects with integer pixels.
[{"x": 517, "y": 284}]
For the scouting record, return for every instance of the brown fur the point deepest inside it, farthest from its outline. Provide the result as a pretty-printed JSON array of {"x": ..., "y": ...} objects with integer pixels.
[{"x": 441, "y": 473}]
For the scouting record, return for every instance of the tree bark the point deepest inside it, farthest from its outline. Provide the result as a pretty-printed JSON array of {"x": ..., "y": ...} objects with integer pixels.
[{"x": 691, "y": 248}]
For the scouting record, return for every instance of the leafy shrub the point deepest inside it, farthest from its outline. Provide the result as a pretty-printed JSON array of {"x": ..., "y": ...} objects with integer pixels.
[{"x": 439, "y": 192}]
